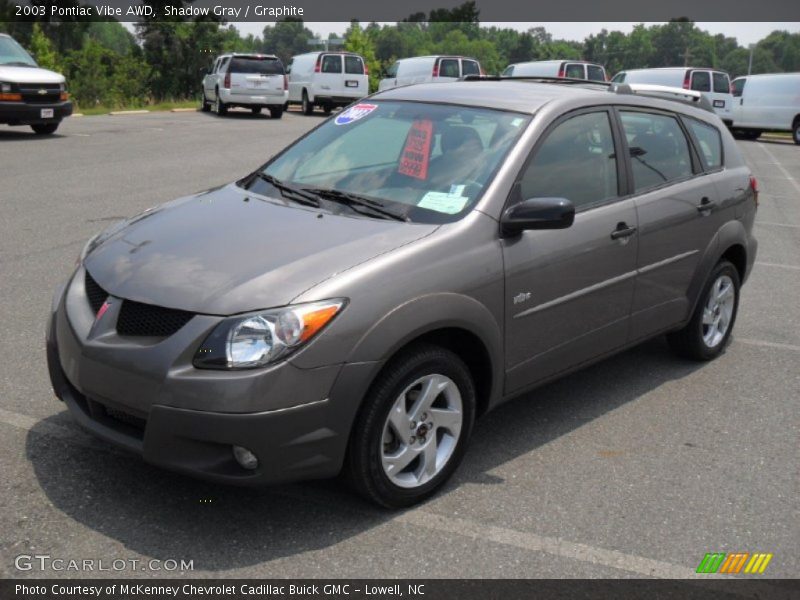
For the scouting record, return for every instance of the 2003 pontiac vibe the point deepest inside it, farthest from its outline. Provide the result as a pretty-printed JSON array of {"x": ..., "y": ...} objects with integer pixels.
[{"x": 406, "y": 266}]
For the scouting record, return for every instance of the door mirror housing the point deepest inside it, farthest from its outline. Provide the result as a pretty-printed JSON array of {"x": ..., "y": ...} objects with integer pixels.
[{"x": 537, "y": 213}]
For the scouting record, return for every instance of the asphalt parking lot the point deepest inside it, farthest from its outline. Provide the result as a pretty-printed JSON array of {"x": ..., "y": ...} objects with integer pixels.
[{"x": 635, "y": 467}]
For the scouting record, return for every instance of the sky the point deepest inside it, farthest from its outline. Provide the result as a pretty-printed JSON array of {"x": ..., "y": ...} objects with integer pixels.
[{"x": 745, "y": 33}]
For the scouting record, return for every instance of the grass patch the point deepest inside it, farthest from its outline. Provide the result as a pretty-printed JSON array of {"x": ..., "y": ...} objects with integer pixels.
[{"x": 159, "y": 106}]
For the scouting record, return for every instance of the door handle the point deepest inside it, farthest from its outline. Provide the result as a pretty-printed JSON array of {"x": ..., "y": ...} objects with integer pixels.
[
  {"x": 622, "y": 231},
  {"x": 706, "y": 205}
]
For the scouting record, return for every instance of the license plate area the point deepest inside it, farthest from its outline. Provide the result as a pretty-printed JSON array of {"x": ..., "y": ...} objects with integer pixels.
[
  {"x": 351, "y": 83},
  {"x": 47, "y": 113},
  {"x": 719, "y": 103}
]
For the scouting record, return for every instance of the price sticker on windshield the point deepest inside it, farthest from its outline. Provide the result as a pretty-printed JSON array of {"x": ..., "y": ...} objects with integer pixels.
[{"x": 417, "y": 151}]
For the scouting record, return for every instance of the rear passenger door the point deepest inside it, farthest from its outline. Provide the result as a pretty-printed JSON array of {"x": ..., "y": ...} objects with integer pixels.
[
  {"x": 569, "y": 291},
  {"x": 678, "y": 209}
]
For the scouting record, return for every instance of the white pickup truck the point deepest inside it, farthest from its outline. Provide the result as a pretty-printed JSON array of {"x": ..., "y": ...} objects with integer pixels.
[
  {"x": 253, "y": 81},
  {"x": 30, "y": 95}
]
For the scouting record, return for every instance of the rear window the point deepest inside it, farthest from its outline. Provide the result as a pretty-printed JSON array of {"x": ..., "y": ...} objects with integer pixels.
[
  {"x": 701, "y": 81},
  {"x": 448, "y": 67},
  {"x": 332, "y": 63},
  {"x": 575, "y": 72},
  {"x": 722, "y": 84},
  {"x": 353, "y": 65},
  {"x": 595, "y": 73},
  {"x": 470, "y": 67},
  {"x": 261, "y": 66},
  {"x": 709, "y": 141},
  {"x": 658, "y": 147}
]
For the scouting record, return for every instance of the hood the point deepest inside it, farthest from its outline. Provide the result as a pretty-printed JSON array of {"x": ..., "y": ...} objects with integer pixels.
[
  {"x": 29, "y": 75},
  {"x": 224, "y": 251}
]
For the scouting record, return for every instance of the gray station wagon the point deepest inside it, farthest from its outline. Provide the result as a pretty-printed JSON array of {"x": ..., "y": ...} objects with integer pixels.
[{"x": 415, "y": 260}]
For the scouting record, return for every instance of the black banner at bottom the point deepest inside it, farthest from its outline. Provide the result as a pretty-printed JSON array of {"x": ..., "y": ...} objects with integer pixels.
[{"x": 387, "y": 589}]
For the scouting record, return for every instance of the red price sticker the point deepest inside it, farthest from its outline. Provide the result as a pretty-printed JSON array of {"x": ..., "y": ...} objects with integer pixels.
[{"x": 417, "y": 151}]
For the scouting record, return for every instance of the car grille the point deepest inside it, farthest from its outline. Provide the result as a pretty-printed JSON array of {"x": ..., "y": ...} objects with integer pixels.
[
  {"x": 137, "y": 319},
  {"x": 94, "y": 293},
  {"x": 124, "y": 417},
  {"x": 31, "y": 93}
]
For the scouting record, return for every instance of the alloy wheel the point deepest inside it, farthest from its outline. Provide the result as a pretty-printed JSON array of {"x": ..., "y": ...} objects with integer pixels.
[{"x": 718, "y": 311}]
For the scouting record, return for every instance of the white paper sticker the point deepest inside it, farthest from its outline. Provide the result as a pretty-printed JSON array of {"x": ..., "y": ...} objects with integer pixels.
[
  {"x": 443, "y": 202},
  {"x": 517, "y": 122}
]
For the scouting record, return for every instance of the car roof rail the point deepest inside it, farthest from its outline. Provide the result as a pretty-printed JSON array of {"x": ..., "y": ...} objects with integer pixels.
[
  {"x": 664, "y": 92},
  {"x": 534, "y": 78}
]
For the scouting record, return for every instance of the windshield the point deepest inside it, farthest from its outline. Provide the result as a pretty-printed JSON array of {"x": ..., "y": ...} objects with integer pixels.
[
  {"x": 427, "y": 162},
  {"x": 11, "y": 53}
]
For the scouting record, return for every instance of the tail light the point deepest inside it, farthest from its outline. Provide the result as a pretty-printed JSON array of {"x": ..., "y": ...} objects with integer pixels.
[
  {"x": 435, "y": 72},
  {"x": 227, "y": 82},
  {"x": 686, "y": 80},
  {"x": 285, "y": 83},
  {"x": 561, "y": 71},
  {"x": 754, "y": 187},
  {"x": 318, "y": 64}
]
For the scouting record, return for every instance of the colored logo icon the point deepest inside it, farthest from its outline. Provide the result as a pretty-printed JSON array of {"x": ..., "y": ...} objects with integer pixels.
[{"x": 737, "y": 562}]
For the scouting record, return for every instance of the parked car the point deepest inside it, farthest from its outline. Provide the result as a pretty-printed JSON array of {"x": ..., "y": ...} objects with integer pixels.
[
  {"x": 768, "y": 102},
  {"x": 356, "y": 302},
  {"x": 253, "y": 81},
  {"x": 429, "y": 69},
  {"x": 572, "y": 69},
  {"x": 30, "y": 95},
  {"x": 327, "y": 80},
  {"x": 712, "y": 83}
]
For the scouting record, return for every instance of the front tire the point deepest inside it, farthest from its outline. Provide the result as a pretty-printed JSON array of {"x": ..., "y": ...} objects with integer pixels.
[
  {"x": 205, "y": 105},
  {"x": 796, "y": 132},
  {"x": 413, "y": 429},
  {"x": 256, "y": 110},
  {"x": 276, "y": 112},
  {"x": 709, "y": 331},
  {"x": 220, "y": 108},
  {"x": 45, "y": 128}
]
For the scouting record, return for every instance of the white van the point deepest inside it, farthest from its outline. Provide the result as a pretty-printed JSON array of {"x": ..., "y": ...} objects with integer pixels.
[
  {"x": 30, "y": 95},
  {"x": 429, "y": 69},
  {"x": 766, "y": 103},
  {"x": 327, "y": 79},
  {"x": 573, "y": 69},
  {"x": 716, "y": 85}
]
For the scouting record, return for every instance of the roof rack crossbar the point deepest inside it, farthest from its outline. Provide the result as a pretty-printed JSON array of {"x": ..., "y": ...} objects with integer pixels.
[{"x": 676, "y": 94}]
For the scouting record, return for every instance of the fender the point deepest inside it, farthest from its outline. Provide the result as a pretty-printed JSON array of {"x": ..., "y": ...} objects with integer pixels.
[
  {"x": 730, "y": 234},
  {"x": 428, "y": 313}
]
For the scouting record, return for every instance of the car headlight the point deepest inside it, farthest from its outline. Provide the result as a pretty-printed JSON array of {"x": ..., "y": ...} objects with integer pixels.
[
  {"x": 5, "y": 88},
  {"x": 266, "y": 337}
]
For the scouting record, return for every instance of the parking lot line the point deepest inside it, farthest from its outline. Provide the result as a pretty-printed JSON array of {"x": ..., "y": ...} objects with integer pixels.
[
  {"x": 765, "y": 344},
  {"x": 771, "y": 224},
  {"x": 781, "y": 168},
  {"x": 778, "y": 265}
]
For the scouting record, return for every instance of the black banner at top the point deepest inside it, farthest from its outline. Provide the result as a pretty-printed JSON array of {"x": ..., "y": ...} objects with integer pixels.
[{"x": 377, "y": 10}]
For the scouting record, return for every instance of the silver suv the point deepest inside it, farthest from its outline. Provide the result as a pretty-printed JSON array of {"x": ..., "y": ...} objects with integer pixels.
[
  {"x": 253, "y": 81},
  {"x": 408, "y": 265}
]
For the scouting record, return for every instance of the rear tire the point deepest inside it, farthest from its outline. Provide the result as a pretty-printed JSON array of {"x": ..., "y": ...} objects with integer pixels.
[
  {"x": 709, "y": 331},
  {"x": 45, "y": 128},
  {"x": 220, "y": 108},
  {"x": 796, "y": 132},
  {"x": 275, "y": 112},
  {"x": 308, "y": 106},
  {"x": 413, "y": 428}
]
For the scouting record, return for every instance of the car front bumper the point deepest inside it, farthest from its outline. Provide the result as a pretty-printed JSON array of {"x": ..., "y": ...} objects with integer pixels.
[
  {"x": 125, "y": 398},
  {"x": 21, "y": 113}
]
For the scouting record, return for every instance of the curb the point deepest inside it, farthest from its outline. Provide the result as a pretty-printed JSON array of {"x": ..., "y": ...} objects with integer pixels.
[
  {"x": 77, "y": 115},
  {"x": 184, "y": 110},
  {"x": 128, "y": 112}
]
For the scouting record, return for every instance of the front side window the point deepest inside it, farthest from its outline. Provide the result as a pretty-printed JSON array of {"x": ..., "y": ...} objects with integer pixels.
[
  {"x": 392, "y": 71},
  {"x": 448, "y": 67},
  {"x": 595, "y": 73},
  {"x": 576, "y": 161},
  {"x": 710, "y": 143},
  {"x": 470, "y": 67},
  {"x": 430, "y": 162},
  {"x": 701, "y": 81},
  {"x": 575, "y": 72},
  {"x": 353, "y": 65},
  {"x": 737, "y": 87},
  {"x": 658, "y": 148},
  {"x": 14, "y": 55},
  {"x": 722, "y": 84},
  {"x": 332, "y": 63}
]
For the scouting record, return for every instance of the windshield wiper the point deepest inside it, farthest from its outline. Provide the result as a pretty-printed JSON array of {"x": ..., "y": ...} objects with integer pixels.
[
  {"x": 288, "y": 191},
  {"x": 357, "y": 202}
]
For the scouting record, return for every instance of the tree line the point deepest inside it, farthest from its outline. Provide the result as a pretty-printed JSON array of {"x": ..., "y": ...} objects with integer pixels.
[{"x": 159, "y": 61}]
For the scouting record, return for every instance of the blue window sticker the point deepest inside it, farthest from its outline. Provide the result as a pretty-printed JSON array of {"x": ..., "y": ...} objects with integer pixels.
[{"x": 354, "y": 113}]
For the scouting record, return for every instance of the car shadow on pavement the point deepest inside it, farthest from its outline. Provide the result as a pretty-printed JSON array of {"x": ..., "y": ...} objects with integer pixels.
[
  {"x": 163, "y": 515},
  {"x": 25, "y": 134}
]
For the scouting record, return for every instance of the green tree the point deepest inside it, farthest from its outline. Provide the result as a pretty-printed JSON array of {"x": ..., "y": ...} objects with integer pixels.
[
  {"x": 287, "y": 38},
  {"x": 356, "y": 40},
  {"x": 42, "y": 50}
]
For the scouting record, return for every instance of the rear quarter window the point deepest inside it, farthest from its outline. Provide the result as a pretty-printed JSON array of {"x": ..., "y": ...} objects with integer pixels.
[{"x": 709, "y": 142}]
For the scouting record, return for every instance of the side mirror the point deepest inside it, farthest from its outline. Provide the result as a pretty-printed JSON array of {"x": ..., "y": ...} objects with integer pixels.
[
  {"x": 204, "y": 71},
  {"x": 537, "y": 213}
]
